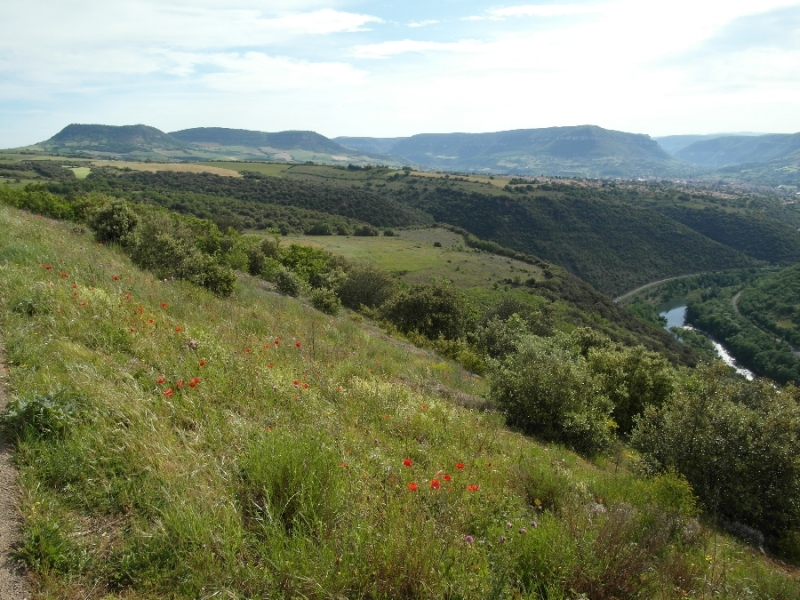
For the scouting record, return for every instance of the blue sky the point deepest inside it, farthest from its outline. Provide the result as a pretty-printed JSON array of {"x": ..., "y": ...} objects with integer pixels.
[{"x": 371, "y": 68}]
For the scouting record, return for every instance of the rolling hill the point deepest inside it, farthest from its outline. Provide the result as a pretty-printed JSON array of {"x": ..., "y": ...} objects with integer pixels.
[
  {"x": 740, "y": 149},
  {"x": 585, "y": 150},
  {"x": 134, "y": 140}
]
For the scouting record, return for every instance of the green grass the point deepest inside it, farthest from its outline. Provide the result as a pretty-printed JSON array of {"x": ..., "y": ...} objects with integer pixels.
[
  {"x": 270, "y": 169},
  {"x": 411, "y": 253},
  {"x": 249, "y": 485}
]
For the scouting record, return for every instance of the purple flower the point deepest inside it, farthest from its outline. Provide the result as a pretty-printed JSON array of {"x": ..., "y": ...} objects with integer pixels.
[
  {"x": 469, "y": 539},
  {"x": 509, "y": 525},
  {"x": 523, "y": 531},
  {"x": 502, "y": 539},
  {"x": 534, "y": 524}
]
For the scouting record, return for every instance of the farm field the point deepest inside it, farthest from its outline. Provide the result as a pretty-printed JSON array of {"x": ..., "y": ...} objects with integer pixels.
[
  {"x": 173, "y": 167},
  {"x": 411, "y": 254}
]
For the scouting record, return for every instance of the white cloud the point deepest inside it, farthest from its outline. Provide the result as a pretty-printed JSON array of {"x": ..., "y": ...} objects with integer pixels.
[
  {"x": 255, "y": 72},
  {"x": 543, "y": 10},
  {"x": 393, "y": 48},
  {"x": 423, "y": 23}
]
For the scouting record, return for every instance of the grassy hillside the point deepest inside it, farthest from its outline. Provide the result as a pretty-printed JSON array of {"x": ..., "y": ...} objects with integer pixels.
[
  {"x": 169, "y": 447},
  {"x": 134, "y": 140}
]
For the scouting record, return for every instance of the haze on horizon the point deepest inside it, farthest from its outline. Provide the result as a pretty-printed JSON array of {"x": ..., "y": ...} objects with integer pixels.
[{"x": 366, "y": 68}]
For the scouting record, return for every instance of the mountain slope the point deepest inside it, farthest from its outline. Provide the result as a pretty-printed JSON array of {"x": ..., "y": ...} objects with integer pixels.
[
  {"x": 288, "y": 140},
  {"x": 582, "y": 150},
  {"x": 735, "y": 150},
  {"x": 110, "y": 139},
  {"x": 675, "y": 143}
]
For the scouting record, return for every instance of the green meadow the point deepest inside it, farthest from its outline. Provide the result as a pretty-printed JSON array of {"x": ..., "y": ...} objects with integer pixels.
[{"x": 411, "y": 253}]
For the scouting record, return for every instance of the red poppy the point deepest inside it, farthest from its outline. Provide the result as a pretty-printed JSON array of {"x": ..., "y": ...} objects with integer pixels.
[
  {"x": 49, "y": 267},
  {"x": 192, "y": 383},
  {"x": 305, "y": 386},
  {"x": 64, "y": 276},
  {"x": 447, "y": 478},
  {"x": 344, "y": 465},
  {"x": 195, "y": 380},
  {"x": 408, "y": 462},
  {"x": 297, "y": 344},
  {"x": 83, "y": 303},
  {"x": 168, "y": 393},
  {"x": 151, "y": 321},
  {"x": 269, "y": 366},
  {"x": 74, "y": 285},
  {"x": 74, "y": 293},
  {"x": 160, "y": 380},
  {"x": 435, "y": 484},
  {"x": 127, "y": 296},
  {"x": 164, "y": 305},
  {"x": 459, "y": 465},
  {"x": 115, "y": 278},
  {"x": 424, "y": 407},
  {"x": 178, "y": 329},
  {"x": 473, "y": 487},
  {"x": 277, "y": 342},
  {"x": 339, "y": 389},
  {"x": 297, "y": 382},
  {"x": 413, "y": 486},
  {"x": 247, "y": 350},
  {"x": 202, "y": 362},
  {"x": 180, "y": 383},
  {"x": 133, "y": 330}
]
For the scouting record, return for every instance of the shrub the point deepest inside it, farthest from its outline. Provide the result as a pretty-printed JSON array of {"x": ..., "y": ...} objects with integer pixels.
[
  {"x": 43, "y": 415},
  {"x": 365, "y": 230},
  {"x": 38, "y": 200},
  {"x": 388, "y": 232},
  {"x": 434, "y": 310},
  {"x": 736, "y": 442},
  {"x": 287, "y": 282},
  {"x": 547, "y": 389},
  {"x": 113, "y": 222},
  {"x": 365, "y": 285},
  {"x": 319, "y": 229},
  {"x": 326, "y": 300}
]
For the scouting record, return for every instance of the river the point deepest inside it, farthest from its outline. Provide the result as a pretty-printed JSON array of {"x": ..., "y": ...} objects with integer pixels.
[{"x": 675, "y": 314}]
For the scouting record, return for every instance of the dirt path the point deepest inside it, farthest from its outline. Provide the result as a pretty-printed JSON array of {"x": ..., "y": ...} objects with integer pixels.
[
  {"x": 13, "y": 585},
  {"x": 627, "y": 295}
]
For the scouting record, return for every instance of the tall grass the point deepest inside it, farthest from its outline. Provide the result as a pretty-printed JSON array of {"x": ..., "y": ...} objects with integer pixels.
[{"x": 168, "y": 447}]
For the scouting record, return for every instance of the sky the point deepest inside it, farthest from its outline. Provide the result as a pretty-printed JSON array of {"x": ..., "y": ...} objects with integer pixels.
[{"x": 386, "y": 69}]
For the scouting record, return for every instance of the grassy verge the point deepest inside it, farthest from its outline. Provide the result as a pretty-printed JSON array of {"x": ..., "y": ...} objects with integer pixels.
[{"x": 169, "y": 447}]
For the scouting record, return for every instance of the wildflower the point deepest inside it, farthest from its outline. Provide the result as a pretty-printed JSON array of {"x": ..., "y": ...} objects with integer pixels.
[
  {"x": 534, "y": 524},
  {"x": 164, "y": 305},
  {"x": 133, "y": 330},
  {"x": 83, "y": 303},
  {"x": 180, "y": 383},
  {"x": 115, "y": 278},
  {"x": 344, "y": 465},
  {"x": 269, "y": 366},
  {"x": 160, "y": 380},
  {"x": 447, "y": 477},
  {"x": 473, "y": 487},
  {"x": 297, "y": 344},
  {"x": 424, "y": 407},
  {"x": 339, "y": 389},
  {"x": 459, "y": 466},
  {"x": 202, "y": 362},
  {"x": 127, "y": 296},
  {"x": 502, "y": 539},
  {"x": 296, "y": 382},
  {"x": 387, "y": 416},
  {"x": 274, "y": 388},
  {"x": 277, "y": 342},
  {"x": 74, "y": 293},
  {"x": 247, "y": 350},
  {"x": 469, "y": 539},
  {"x": 305, "y": 386},
  {"x": 178, "y": 329},
  {"x": 407, "y": 462},
  {"x": 537, "y": 502},
  {"x": 74, "y": 285},
  {"x": 192, "y": 344},
  {"x": 509, "y": 525},
  {"x": 49, "y": 267},
  {"x": 151, "y": 321},
  {"x": 523, "y": 531},
  {"x": 435, "y": 484},
  {"x": 64, "y": 276},
  {"x": 195, "y": 380},
  {"x": 413, "y": 486},
  {"x": 168, "y": 393}
]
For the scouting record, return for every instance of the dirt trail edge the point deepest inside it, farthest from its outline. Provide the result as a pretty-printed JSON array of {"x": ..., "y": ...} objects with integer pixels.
[{"x": 13, "y": 585}]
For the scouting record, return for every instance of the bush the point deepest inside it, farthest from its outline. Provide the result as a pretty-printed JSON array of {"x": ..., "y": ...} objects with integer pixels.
[
  {"x": 547, "y": 389},
  {"x": 38, "y": 200},
  {"x": 113, "y": 222},
  {"x": 388, "y": 232},
  {"x": 365, "y": 285},
  {"x": 41, "y": 416},
  {"x": 287, "y": 282},
  {"x": 326, "y": 300},
  {"x": 434, "y": 310},
  {"x": 319, "y": 229},
  {"x": 736, "y": 442},
  {"x": 365, "y": 230}
]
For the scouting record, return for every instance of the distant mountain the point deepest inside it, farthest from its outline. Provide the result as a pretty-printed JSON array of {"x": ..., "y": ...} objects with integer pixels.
[
  {"x": 585, "y": 150},
  {"x": 285, "y": 140},
  {"x": 676, "y": 143},
  {"x": 108, "y": 139},
  {"x": 739, "y": 150},
  {"x": 368, "y": 144}
]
